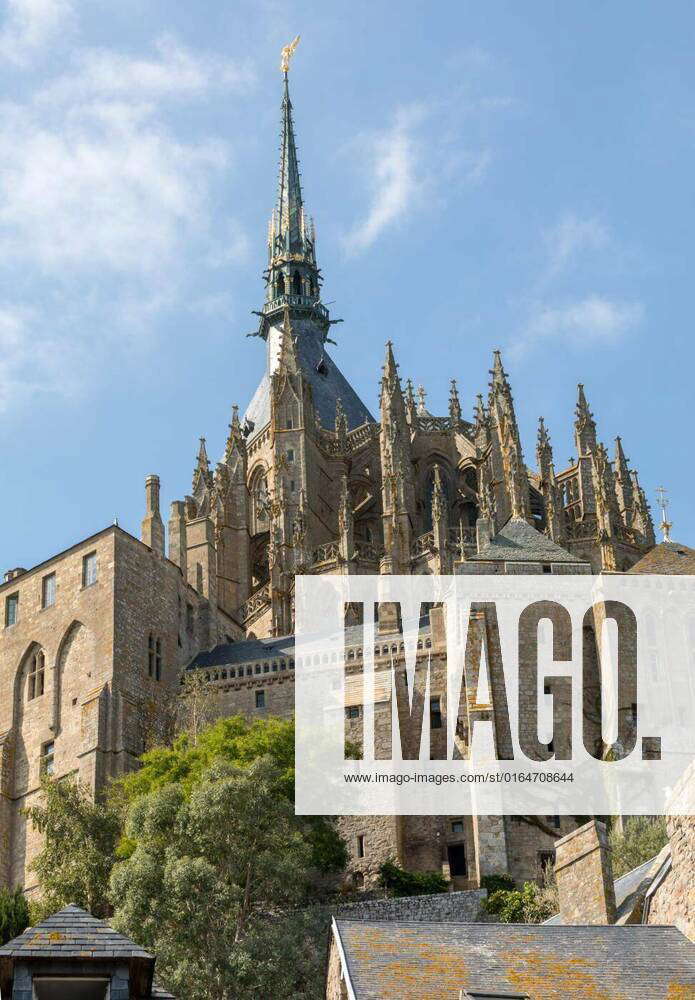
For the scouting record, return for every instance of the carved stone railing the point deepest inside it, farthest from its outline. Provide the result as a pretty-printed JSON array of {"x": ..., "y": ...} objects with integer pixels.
[
  {"x": 422, "y": 545},
  {"x": 298, "y": 301},
  {"x": 366, "y": 552},
  {"x": 328, "y": 552},
  {"x": 361, "y": 435},
  {"x": 433, "y": 424},
  {"x": 257, "y": 603}
]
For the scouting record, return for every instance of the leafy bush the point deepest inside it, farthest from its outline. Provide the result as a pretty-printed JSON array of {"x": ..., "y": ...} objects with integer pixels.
[
  {"x": 532, "y": 904},
  {"x": 399, "y": 882},
  {"x": 641, "y": 838}
]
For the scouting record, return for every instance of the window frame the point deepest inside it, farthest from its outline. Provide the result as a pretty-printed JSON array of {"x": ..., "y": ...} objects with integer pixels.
[
  {"x": 259, "y": 698},
  {"x": 36, "y": 675},
  {"x": 48, "y": 580},
  {"x": 88, "y": 561},
  {"x": 12, "y": 601}
]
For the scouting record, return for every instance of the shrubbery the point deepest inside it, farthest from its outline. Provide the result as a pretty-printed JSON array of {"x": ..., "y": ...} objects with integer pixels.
[{"x": 399, "y": 882}]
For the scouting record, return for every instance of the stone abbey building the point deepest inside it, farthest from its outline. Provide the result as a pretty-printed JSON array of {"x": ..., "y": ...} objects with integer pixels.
[{"x": 93, "y": 641}]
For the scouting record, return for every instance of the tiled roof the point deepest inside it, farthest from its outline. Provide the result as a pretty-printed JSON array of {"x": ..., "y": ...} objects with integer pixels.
[
  {"x": 518, "y": 541},
  {"x": 390, "y": 961},
  {"x": 670, "y": 558},
  {"x": 72, "y": 933}
]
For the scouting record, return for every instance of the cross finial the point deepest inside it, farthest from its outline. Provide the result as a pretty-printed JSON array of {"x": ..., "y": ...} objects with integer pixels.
[{"x": 663, "y": 502}]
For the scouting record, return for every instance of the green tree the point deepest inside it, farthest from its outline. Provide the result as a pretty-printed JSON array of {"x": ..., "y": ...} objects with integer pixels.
[
  {"x": 212, "y": 882},
  {"x": 14, "y": 914},
  {"x": 240, "y": 742},
  {"x": 640, "y": 839},
  {"x": 79, "y": 846}
]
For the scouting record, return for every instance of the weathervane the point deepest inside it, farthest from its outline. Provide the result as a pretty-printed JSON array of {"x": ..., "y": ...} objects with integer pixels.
[
  {"x": 287, "y": 53},
  {"x": 666, "y": 525}
]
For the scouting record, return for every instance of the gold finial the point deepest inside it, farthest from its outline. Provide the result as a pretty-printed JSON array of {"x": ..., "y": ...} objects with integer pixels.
[{"x": 287, "y": 53}]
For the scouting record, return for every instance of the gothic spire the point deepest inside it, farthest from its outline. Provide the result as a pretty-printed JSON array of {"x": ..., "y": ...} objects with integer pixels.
[
  {"x": 454, "y": 406},
  {"x": 551, "y": 495},
  {"x": 584, "y": 426},
  {"x": 202, "y": 477},
  {"x": 289, "y": 213},
  {"x": 236, "y": 442},
  {"x": 623, "y": 483}
]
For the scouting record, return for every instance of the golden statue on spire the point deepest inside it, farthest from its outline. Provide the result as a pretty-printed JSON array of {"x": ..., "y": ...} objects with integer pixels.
[{"x": 287, "y": 53}]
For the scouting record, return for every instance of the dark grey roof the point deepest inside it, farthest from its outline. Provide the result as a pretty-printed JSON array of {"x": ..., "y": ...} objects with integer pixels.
[
  {"x": 228, "y": 654},
  {"x": 627, "y": 888},
  {"x": 518, "y": 541},
  {"x": 327, "y": 385},
  {"x": 72, "y": 933},
  {"x": 422, "y": 961}
]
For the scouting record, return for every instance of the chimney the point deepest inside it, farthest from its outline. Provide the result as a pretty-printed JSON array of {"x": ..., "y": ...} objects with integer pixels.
[
  {"x": 152, "y": 526},
  {"x": 177, "y": 536},
  {"x": 585, "y": 876},
  {"x": 12, "y": 574}
]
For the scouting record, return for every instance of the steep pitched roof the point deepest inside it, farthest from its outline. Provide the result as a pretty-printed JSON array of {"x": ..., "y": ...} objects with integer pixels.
[
  {"x": 630, "y": 889},
  {"x": 518, "y": 541},
  {"x": 670, "y": 558},
  {"x": 425, "y": 960},
  {"x": 328, "y": 384},
  {"x": 73, "y": 933}
]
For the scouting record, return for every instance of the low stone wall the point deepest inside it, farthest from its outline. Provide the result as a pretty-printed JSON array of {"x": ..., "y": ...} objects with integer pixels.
[{"x": 457, "y": 907}]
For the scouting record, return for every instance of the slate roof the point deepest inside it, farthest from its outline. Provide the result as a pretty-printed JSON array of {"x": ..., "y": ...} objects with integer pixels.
[
  {"x": 670, "y": 558},
  {"x": 228, "y": 654},
  {"x": 327, "y": 386},
  {"x": 421, "y": 961},
  {"x": 72, "y": 933},
  {"x": 518, "y": 541}
]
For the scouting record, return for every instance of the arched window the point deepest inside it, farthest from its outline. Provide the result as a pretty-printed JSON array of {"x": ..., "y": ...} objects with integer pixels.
[
  {"x": 36, "y": 675},
  {"x": 280, "y": 284},
  {"x": 297, "y": 283}
]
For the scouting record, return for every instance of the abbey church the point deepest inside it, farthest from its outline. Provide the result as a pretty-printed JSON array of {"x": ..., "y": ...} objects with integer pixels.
[{"x": 93, "y": 641}]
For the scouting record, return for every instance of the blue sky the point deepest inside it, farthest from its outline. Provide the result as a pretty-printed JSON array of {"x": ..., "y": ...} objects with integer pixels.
[{"x": 481, "y": 175}]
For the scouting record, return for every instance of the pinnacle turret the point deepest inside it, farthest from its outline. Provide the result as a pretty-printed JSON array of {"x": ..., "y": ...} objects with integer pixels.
[
  {"x": 584, "y": 426},
  {"x": 202, "y": 477},
  {"x": 454, "y": 405}
]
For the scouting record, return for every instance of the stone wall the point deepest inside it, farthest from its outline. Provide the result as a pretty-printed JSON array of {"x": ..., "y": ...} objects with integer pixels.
[
  {"x": 673, "y": 902},
  {"x": 95, "y": 705},
  {"x": 457, "y": 907}
]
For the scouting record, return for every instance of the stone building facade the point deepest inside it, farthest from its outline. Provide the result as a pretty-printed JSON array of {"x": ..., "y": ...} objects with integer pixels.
[{"x": 309, "y": 482}]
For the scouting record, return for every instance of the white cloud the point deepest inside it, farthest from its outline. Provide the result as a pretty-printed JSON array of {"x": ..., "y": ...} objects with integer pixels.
[
  {"x": 571, "y": 236},
  {"x": 103, "y": 187},
  {"x": 392, "y": 156},
  {"x": 583, "y": 323},
  {"x": 103, "y": 200},
  {"x": 30, "y": 25},
  {"x": 173, "y": 72}
]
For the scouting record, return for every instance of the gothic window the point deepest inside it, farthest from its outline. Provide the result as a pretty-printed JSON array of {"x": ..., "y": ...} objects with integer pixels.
[
  {"x": 281, "y": 284},
  {"x": 35, "y": 682},
  {"x": 259, "y": 502},
  {"x": 297, "y": 283}
]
